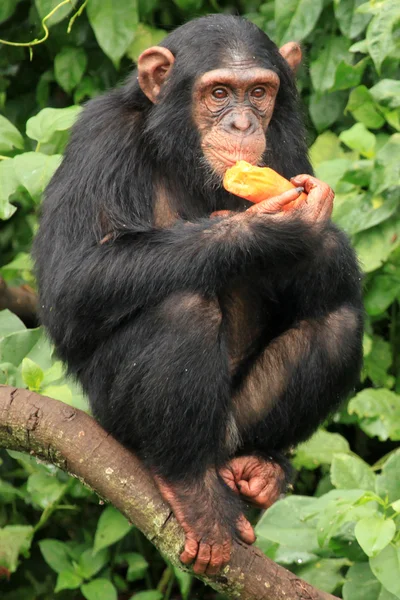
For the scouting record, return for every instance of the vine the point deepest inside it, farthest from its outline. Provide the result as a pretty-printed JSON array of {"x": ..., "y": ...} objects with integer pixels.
[{"x": 38, "y": 41}]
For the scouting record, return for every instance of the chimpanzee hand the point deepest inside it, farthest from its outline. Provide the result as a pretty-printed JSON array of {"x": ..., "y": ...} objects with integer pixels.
[
  {"x": 316, "y": 208},
  {"x": 319, "y": 204},
  {"x": 259, "y": 481}
]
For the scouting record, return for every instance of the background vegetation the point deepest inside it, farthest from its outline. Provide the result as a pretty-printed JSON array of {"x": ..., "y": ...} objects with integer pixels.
[{"x": 340, "y": 529}]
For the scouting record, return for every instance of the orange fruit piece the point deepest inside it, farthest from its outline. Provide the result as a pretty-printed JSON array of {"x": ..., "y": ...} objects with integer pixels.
[{"x": 256, "y": 183}]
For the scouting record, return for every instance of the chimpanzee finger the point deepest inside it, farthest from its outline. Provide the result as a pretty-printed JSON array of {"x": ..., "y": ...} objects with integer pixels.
[
  {"x": 320, "y": 195},
  {"x": 190, "y": 551},
  {"x": 267, "y": 497},
  {"x": 226, "y": 553},
  {"x": 229, "y": 479},
  {"x": 203, "y": 558},
  {"x": 251, "y": 488},
  {"x": 313, "y": 186},
  {"x": 245, "y": 530},
  {"x": 276, "y": 204},
  {"x": 216, "y": 559}
]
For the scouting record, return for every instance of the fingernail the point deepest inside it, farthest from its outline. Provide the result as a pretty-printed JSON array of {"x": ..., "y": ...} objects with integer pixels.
[{"x": 299, "y": 190}]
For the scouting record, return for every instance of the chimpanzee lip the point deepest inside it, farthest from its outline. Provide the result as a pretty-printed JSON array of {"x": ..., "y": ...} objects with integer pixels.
[{"x": 229, "y": 161}]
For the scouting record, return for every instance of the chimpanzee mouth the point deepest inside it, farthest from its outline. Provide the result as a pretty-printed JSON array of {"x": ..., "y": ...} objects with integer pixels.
[{"x": 231, "y": 160}]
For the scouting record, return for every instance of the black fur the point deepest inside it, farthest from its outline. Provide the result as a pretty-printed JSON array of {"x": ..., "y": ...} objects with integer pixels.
[{"x": 134, "y": 318}]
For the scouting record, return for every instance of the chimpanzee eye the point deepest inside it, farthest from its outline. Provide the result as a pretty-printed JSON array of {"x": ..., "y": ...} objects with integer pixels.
[
  {"x": 220, "y": 93},
  {"x": 258, "y": 92}
]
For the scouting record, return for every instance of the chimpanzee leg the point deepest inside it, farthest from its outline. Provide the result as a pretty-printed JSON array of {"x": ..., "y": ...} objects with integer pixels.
[
  {"x": 170, "y": 401},
  {"x": 296, "y": 381}
]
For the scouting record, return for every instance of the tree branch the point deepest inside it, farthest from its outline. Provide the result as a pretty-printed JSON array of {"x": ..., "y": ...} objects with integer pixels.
[
  {"x": 73, "y": 441},
  {"x": 21, "y": 300}
]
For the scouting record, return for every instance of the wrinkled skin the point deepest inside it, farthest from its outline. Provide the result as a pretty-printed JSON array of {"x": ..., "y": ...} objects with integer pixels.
[{"x": 258, "y": 481}]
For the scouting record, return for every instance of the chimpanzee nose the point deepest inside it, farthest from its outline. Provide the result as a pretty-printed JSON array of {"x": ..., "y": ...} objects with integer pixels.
[{"x": 240, "y": 122}]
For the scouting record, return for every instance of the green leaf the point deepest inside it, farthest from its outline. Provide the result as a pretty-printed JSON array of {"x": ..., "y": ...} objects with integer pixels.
[
  {"x": 56, "y": 555},
  {"x": 9, "y": 323},
  {"x": 32, "y": 374},
  {"x": 114, "y": 23},
  {"x": 332, "y": 171},
  {"x": 380, "y": 37},
  {"x": 396, "y": 506},
  {"x": 351, "y": 23},
  {"x": 289, "y": 556},
  {"x": 185, "y": 581},
  {"x": 14, "y": 347},
  {"x": 285, "y": 523},
  {"x": 381, "y": 293},
  {"x": 9, "y": 493},
  {"x": 356, "y": 212},
  {"x": 326, "y": 147},
  {"x": 54, "y": 373},
  {"x": 58, "y": 392},
  {"x": 14, "y": 540},
  {"x": 388, "y": 482},
  {"x": 323, "y": 68},
  {"x": 381, "y": 405},
  {"x": 49, "y": 121},
  {"x": 7, "y": 9},
  {"x": 359, "y": 173},
  {"x": 360, "y": 46},
  {"x": 348, "y": 76},
  {"x": 378, "y": 361},
  {"x": 339, "y": 507},
  {"x": 387, "y": 166},
  {"x": 8, "y": 185},
  {"x": 189, "y": 5},
  {"x": 363, "y": 108},
  {"x": 67, "y": 580},
  {"x": 10, "y": 137},
  {"x": 45, "y": 489},
  {"x": 69, "y": 67},
  {"x": 324, "y": 574},
  {"x": 361, "y": 583},
  {"x": 149, "y": 595},
  {"x": 34, "y": 170},
  {"x": 99, "y": 588},
  {"x": 386, "y": 568},
  {"x": 359, "y": 138},
  {"x": 375, "y": 245},
  {"x": 351, "y": 472},
  {"x": 295, "y": 19},
  {"x": 44, "y": 7},
  {"x": 112, "y": 526},
  {"x": 387, "y": 93},
  {"x": 325, "y": 109},
  {"x": 374, "y": 534},
  {"x": 137, "y": 565},
  {"x": 319, "y": 450},
  {"x": 145, "y": 37},
  {"x": 90, "y": 562},
  {"x": 21, "y": 262}
]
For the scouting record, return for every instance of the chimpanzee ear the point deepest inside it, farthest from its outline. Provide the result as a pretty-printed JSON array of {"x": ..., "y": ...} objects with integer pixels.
[
  {"x": 154, "y": 65},
  {"x": 291, "y": 52}
]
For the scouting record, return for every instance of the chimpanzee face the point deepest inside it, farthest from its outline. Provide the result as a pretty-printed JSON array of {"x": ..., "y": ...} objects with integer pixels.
[{"x": 232, "y": 108}]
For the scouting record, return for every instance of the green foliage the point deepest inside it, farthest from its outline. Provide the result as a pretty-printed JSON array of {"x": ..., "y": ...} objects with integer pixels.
[{"x": 340, "y": 530}]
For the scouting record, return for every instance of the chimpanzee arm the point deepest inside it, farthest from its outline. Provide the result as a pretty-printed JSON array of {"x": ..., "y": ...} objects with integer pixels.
[
  {"x": 144, "y": 266},
  {"x": 305, "y": 372}
]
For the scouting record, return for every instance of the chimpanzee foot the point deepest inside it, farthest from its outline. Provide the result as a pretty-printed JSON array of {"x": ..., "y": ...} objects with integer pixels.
[
  {"x": 259, "y": 481},
  {"x": 200, "y": 511}
]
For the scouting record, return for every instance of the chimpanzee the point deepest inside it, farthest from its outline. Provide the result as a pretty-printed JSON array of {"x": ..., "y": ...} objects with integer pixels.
[{"x": 210, "y": 334}]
